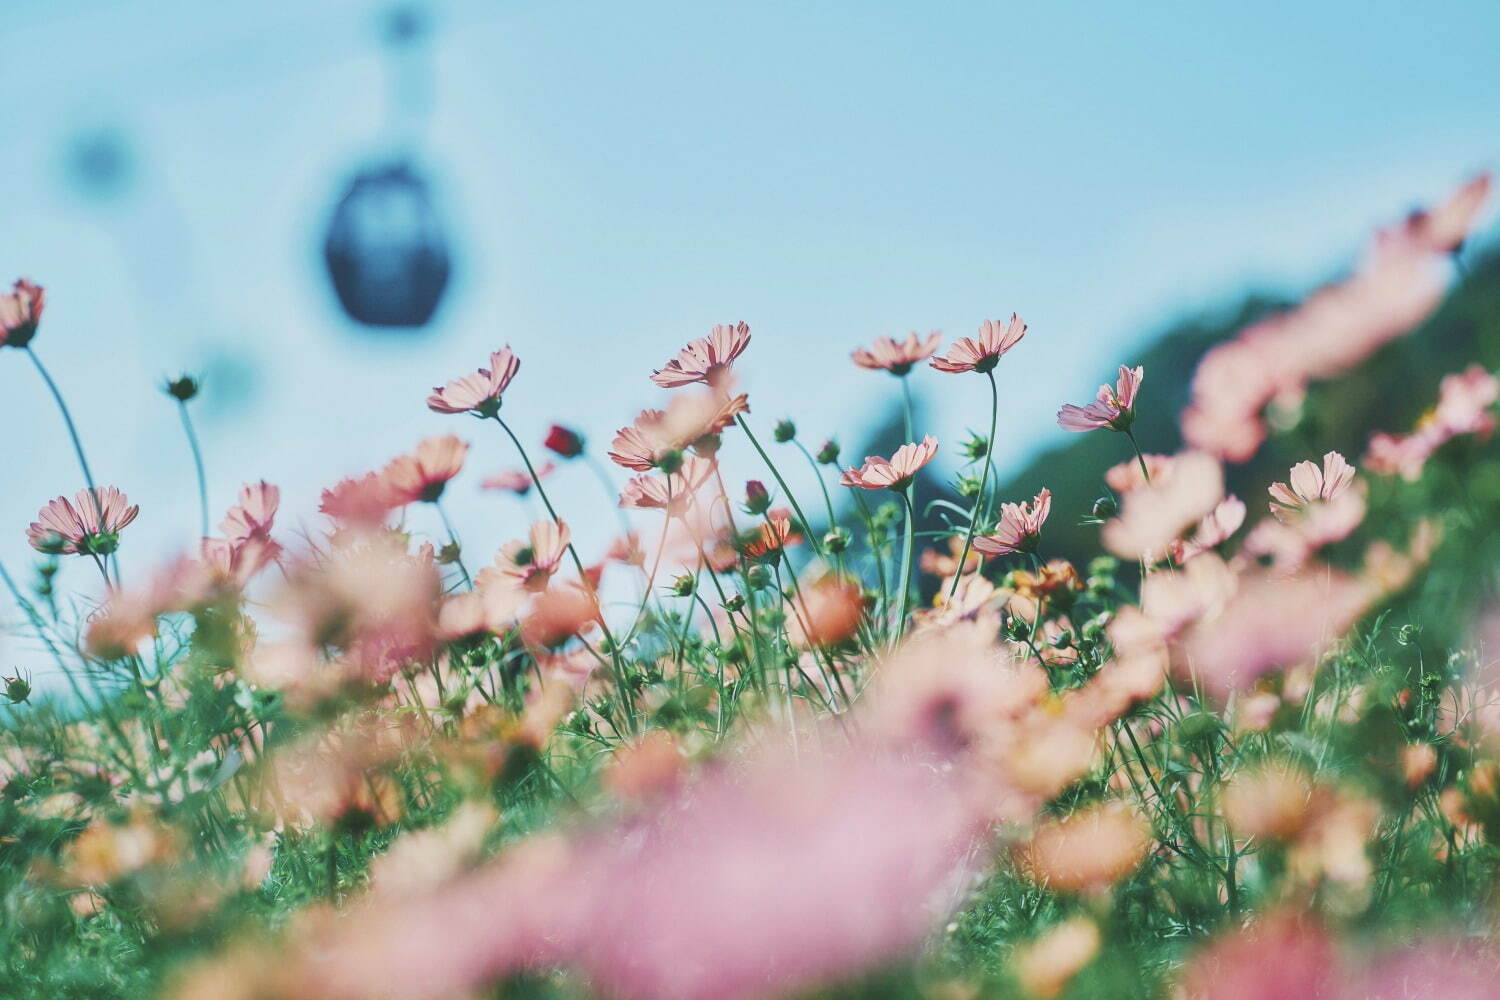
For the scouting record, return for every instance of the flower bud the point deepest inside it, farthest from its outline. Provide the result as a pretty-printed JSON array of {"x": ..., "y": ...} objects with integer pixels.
[
  {"x": 17, "y": 689},
  {"x": 976, "y": 447},
  {"x": 562, "y": 441},
  {"x": 734, "y": 603},
  {"x": 836, "y": 541},
  {"x": 829, "y": 453},
  {"x": 759, "y": 576},
  {"x": 784, "y": 431},
  {"x": 968, "y": 486},
  {"x": 1105, "y": 508},
  {"x": 182, "y": 388},
  {"x": 757, "y": 500},
  {"x": 684, "y": 585}
]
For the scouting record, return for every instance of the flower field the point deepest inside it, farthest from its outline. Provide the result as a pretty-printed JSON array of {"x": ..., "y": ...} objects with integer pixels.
[{"x": 868, "y": 739}]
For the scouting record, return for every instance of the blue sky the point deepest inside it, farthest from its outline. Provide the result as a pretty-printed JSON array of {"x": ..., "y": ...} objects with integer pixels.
[{"x": 620, "y": 177}]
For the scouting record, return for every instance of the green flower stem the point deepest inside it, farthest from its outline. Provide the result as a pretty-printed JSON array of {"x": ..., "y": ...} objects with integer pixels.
[
  {"x": 458, "y": 559},
  {"x": 791, "y": 497},
  {"x": 83, "y": 462},
  {"x": 984, "y": 480},
  {"x": 911, "y": 517},
  {"x": 1130, "y": 433},
  {"x": 192, "y": 437},
  {"x": 621, "y": 683}
]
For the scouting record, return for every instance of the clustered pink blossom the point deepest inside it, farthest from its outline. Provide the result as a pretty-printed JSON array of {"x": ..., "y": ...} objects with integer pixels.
[
  {"x": 1397, "y": 286},
  {"x": 1465, "y": 405}
]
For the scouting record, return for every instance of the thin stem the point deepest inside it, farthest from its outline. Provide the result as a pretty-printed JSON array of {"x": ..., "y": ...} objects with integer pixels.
[
  {"x": 911, "y": 516},
  {"x": 83, "y": 462},
  {"x": 583, "y": 578},
  {"x": 984, "y": 480},
  {"x": 187, "y": 427},
  {"x": 817, "y": 547},
  {"x": 1138, "y": 456},
  {"x": 610, "y": 490},
  {"x": 458, "y": 559},
  {"x": 906, "y": 408}
]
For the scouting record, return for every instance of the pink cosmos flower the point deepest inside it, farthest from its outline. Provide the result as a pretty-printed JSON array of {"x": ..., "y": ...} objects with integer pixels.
[
  {"x": 1444, "y": 228},
  {"x": 1112, "y": 407},
  {"x": 674, "y": 493},
  {"x": 687, "y": 420},
  {"x": 1272, "y": 622},
  {"x": 358, "y": 502},
  {"x": 20, "y": 312},
  {"x": 1466, "y": 401},
  {"x": 422, "y": 475},
  {"x": 1215, "y": 528},
  {"x": 897, "y": 356},
  {"x": 1396, "y": 286},
  {"x": 706, "y": 359},
  {"x": 1311, "y": 484},
  {"x": 980, "y": 355},
  {"x": 879, "y": 474},
  {"x": 517, "y": 481},
  {"x": 530, "y": 565},
  {"x": 1153, "y": 518},
  {"x": 1127, "y": 475},
  {"x": 234, "y": 564},
  {"x": 88, "y": 525},
  {"x": 253, "y": 516},
  {"x": 480, "y": 392},
  {"x": 1020, "y": 527}
]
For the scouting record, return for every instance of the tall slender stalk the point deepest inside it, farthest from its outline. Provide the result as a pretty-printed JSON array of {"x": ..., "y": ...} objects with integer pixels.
[
  {"x": 791, "y": 497},
  {"x": 67, "y": 415},
  {"x": 911, "y": 516},
  {"x": 192, "y": 437},
  {"x": 984, "y": 480},
  {"x": 627, "y": 703}
]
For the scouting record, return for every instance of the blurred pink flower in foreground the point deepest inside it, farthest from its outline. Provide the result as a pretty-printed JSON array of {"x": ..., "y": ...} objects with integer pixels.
[
  {"x": 894, "y": 474},
  {"x": 423, "y": 474},
  {"x": 1465, "y": 406},
  {"x": 897, "y": 356},
  {"x": 1113, "y": 407},
  {"x": 674, "y": 493},
  {"x": 1020, "y": 527},
  {"x": 969, "y": 354},
  {"x": 765, "y": 875},
  {"x": 706, "y": 359},
  {"x": 517, "y": 481},
  {"x": 361, "y": 502},
  {"x": 530, "y": 564},
  {"x": 1396, "y": 286},
  {"x": 1153, "y": 518},
  {"x": 1271, "y": 622},
  {"x": 20, "y": 312},
  {"x": 480, "y": 392},
  {"x": 89, "y": 524}
]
